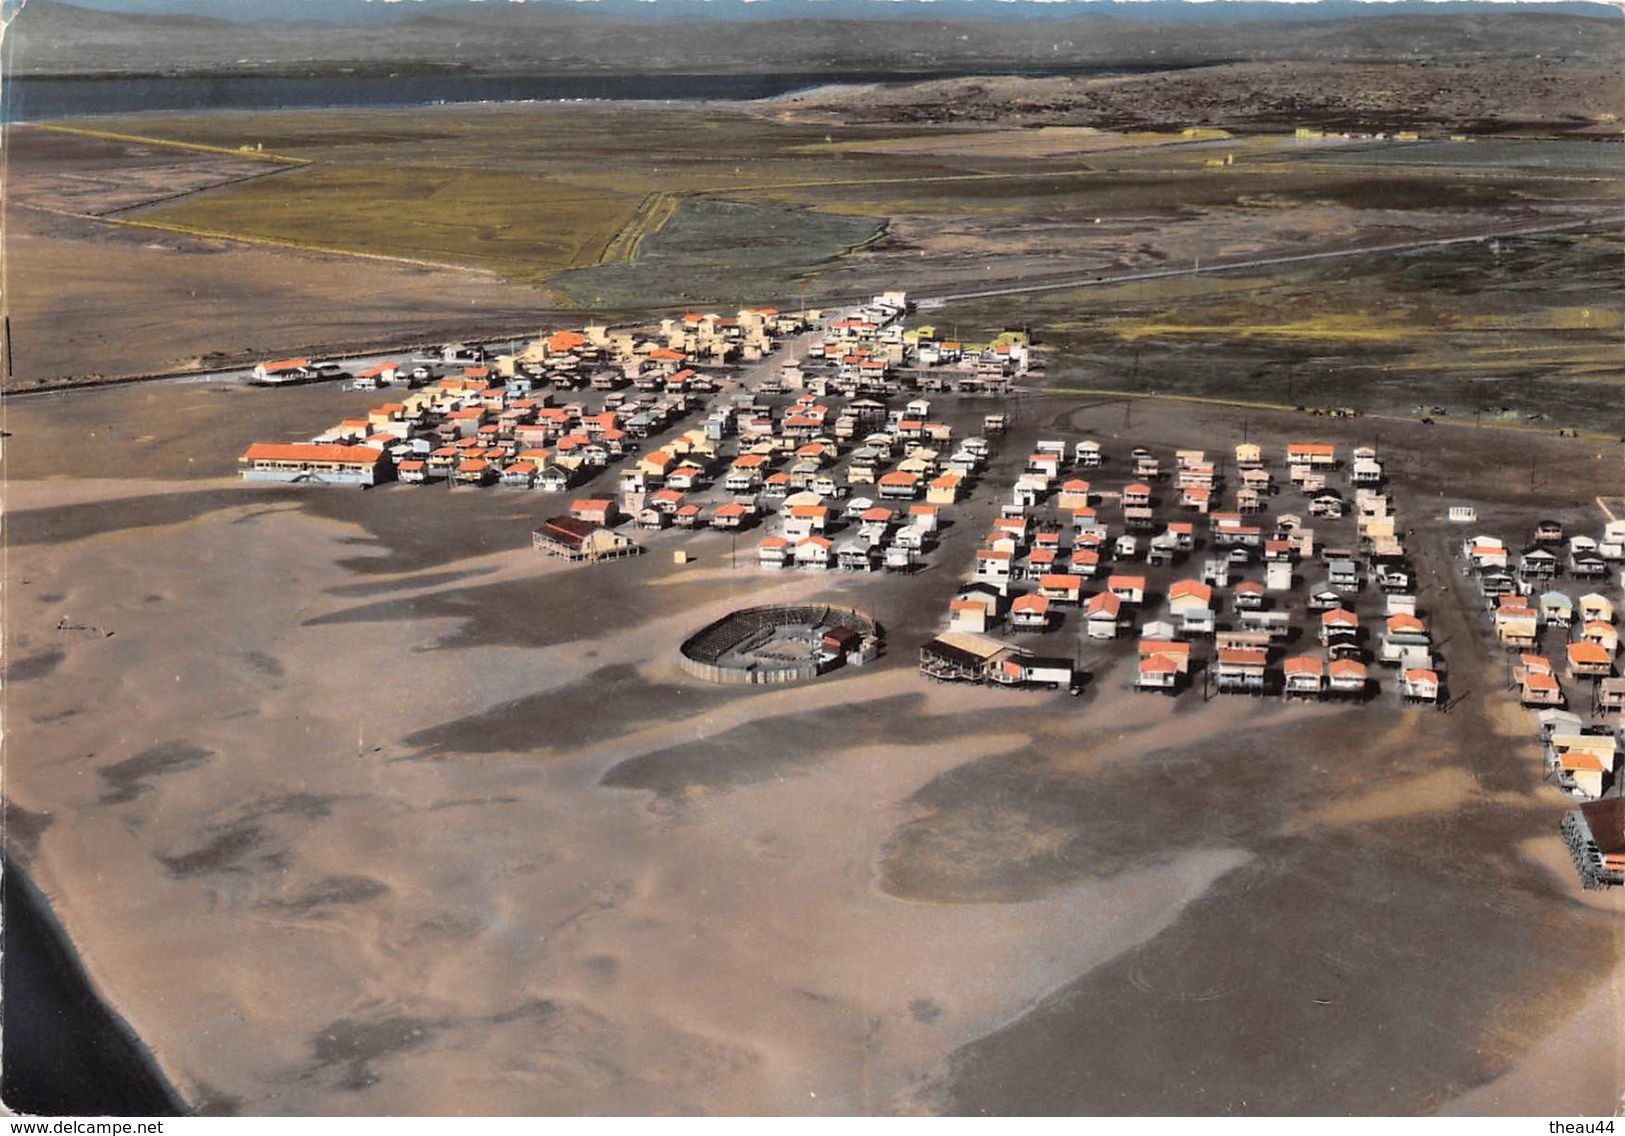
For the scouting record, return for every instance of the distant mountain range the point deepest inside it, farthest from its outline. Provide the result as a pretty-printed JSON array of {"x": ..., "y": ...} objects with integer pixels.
[
  {"x": 913, "y": 36},
  {"x": 653, "y": 11}
]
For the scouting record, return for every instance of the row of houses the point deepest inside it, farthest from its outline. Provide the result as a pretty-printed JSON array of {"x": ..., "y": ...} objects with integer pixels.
[
  {"x": 871, "y": 352},
  {"x": 1527, "y": 615},
  {"x": 1553, "y": 638},
  {"x": 465, "y": 430},
  {"x": 1055, "y": 550},
  {"x": 1581, "y": 557},
  {"x": 802, "y": 472},
  {"x": 894, "y": 528},
  {"x": 879, "y": 537}
]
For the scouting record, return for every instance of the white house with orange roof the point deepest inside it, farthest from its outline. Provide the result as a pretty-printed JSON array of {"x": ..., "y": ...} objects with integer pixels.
[
  {"x": 898, "y": 486},
  {"x": 1127, "y": 588},
  {"x": 1030, "y": 612},
  {"x": 1537, "y": 682},
  {"x": 773, "y": 552},
  {"x": 1061, "y": 588},
  {"x": 1103, "y": 615},
  {"x": 377, "y": 375},
  {"x": 284, "y": 371},
  {"x": 814, "y": 552},
  {"x": 994, "y": 566},
  {"x": 801, "y": 521},
  {"x": 1404, "y": 637},
  {"x": 1347, "y": 678},
  {"x": 1338, "y": 624},
  {"x": 1420, "y": 684},
  {"x": 1589, "y": 661},
  {"x": 519, "y": 475},
  {"x": 1157, "y": 673},
  {"x": 1303, "y": 676},
  {"x": 732, "y": 515},
  {"x": 1084, "y": 562},
  {"x": 1319, "y": 456},
  {"x": 1241, "y": 670}
]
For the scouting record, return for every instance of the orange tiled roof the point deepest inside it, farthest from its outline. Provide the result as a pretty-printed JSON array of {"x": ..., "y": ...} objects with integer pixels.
[{"x": 311, "y": 452}]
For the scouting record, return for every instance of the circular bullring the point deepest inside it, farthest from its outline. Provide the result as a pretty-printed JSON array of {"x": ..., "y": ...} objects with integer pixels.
[{"x": 780, "y": 643}]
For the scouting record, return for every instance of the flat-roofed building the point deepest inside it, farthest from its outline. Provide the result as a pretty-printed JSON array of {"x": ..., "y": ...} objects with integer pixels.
[{"x": 318, "y": 463}]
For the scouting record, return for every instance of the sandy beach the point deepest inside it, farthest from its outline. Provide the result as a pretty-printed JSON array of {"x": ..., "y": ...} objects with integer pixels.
[{"x": 353, "y": 804}]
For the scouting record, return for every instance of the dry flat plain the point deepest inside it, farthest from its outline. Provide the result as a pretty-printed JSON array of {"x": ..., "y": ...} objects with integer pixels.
[
  {"x": 354, "y": 804},
  {"x": 379, "y": 227}
]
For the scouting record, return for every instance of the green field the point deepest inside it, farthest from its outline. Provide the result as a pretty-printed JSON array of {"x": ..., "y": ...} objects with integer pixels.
[
  {"x": 720, "y": 252},
  {"x": 607, "y": 204},
  {"x": 520, "y": 226},
  {"x": 529, "y": 192}
]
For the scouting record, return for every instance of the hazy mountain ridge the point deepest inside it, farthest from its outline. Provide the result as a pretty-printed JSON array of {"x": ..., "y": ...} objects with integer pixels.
[
  {"x": 58, "y": 38},
  {"x": 364, "y": 12}
]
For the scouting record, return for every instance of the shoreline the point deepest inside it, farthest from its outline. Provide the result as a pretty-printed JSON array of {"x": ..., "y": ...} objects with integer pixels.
[
  {"x": 83, "y": 1057},
  {"x": 804, "y": 82}
]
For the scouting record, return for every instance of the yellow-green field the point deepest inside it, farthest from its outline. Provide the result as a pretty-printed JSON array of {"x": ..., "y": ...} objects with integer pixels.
[
  {"x": 521, "y": 226},
  {"x": 535, "y": 192}
]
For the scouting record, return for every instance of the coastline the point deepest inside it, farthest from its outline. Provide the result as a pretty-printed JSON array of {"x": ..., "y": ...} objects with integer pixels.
[
  {"x": 80, "y": 1056},
  {"x": 363, "y": 88}
]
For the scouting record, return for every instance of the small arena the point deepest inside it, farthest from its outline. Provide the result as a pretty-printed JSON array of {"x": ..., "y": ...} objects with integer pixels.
[{"x": 780, "y": 644}]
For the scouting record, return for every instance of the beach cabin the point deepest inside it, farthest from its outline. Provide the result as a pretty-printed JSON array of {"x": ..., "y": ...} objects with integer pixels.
[
  {"x": 1103, "y": 614},
  {"x": 994, "y": 566},
  {"x": 1517, "y": 625},
  {"x": 1303, "y": 676},
  {"x": 1189, "y": 595},
  {"x": 1604, "y": 635},
  {"x": 1030, "y": 613},
  {"x": 814, "y": 552},
  {"x": 1128, "y": 589},
  {"x": 1061, "y": 588},
  {"x": 773, "y": 552},
  {"x": 1538, "y": 686},
  {"x": 1404, "y": 637},
  {"x": 1157, "y": 673},
  {"x": 1589, "y": 661},
  {"x": 1420, "y": 684},
  {"x": 1240, "y": 670},
  {"x": 1347, "y": 678},
  {"x": 1595, "y": 606},
  {"x": 1556, "y": 609}
]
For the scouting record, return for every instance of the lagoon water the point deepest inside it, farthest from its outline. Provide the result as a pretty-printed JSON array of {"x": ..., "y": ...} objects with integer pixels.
[{"x": 31, "y": 98}]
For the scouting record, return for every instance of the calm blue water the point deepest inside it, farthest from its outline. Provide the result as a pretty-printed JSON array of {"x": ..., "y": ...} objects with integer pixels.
[{"x": 43, "y": 98}]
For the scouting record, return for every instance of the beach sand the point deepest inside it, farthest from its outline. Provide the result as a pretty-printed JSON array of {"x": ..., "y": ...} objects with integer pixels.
[{"x": 353, "y": 804}]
